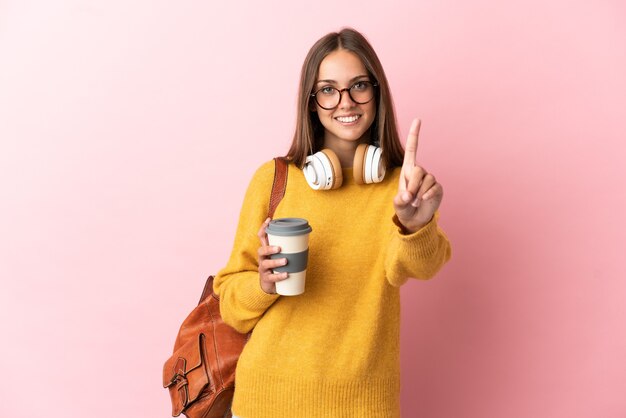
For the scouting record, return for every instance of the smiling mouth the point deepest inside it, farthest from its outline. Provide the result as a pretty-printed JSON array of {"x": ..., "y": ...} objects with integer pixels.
[{"x": 348, "y": 119}]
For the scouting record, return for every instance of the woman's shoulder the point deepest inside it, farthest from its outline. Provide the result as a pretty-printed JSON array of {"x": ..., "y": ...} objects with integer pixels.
[
  {"x": 264, "y": 174},
  {"x": 267, "y": 169}
]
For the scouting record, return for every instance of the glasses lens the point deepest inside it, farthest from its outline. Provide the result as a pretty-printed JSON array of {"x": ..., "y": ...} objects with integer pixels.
[
  {"x": 327, "y": 97},
  {"x": 362, "y": 92}
]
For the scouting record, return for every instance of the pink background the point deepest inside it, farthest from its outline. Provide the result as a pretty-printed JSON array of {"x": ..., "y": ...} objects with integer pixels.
[{"x": 130, "y": 129}]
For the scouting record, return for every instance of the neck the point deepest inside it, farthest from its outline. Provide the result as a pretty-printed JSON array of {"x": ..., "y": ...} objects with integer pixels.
[{"x": 344, "y": 149}]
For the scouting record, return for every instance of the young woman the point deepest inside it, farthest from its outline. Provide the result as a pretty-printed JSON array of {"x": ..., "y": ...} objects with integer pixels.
[{"x": 333, "y": 351}]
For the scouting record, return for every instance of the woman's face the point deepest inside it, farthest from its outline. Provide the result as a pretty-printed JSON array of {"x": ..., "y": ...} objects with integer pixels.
[{"x": 349, "y": 121}]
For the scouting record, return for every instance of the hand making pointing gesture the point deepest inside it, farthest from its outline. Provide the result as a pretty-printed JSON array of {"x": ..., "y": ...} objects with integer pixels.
[{"x": 419, "y": 194}]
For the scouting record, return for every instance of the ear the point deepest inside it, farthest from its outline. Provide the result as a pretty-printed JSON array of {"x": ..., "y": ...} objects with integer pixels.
[{"x": 312, "y": 106}]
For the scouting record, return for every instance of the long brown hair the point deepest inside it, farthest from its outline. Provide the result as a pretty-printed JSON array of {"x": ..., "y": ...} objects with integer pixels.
[{"x": 309, "y": 135}]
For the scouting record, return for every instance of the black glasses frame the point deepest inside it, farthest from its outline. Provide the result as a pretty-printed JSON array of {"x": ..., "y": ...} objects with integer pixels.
[{"x": 349, "y": 90}]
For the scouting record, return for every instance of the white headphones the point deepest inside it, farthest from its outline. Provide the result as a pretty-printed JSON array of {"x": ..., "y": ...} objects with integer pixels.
[{"x": 322, "y": 170}]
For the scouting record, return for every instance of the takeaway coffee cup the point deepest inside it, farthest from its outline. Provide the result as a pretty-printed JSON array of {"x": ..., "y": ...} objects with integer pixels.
[{"x": 292, "y": 236}]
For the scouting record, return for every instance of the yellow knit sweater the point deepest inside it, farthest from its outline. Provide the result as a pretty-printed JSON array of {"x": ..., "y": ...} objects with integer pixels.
[{"x": 334, "y": 350}]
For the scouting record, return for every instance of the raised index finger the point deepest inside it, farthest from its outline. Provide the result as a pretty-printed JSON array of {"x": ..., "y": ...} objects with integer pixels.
[{"x": 411, "y": 144}]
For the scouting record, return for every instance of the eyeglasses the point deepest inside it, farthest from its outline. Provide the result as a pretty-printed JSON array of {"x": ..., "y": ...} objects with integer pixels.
[{"x": 361, "y": 92}]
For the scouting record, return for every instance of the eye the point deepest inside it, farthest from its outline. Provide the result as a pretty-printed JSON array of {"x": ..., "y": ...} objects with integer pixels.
[
  {"x": 326, "y": 90},
  {"x": 360, "y": 85}
]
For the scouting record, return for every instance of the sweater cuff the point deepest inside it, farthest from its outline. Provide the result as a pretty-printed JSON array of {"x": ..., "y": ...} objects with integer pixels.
[
  {"x": 424, "y": 240},
  {"x": 252, "y": 296}
]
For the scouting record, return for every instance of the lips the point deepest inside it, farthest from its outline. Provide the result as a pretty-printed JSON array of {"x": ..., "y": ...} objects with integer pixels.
[{"x": 348, "y": 119}]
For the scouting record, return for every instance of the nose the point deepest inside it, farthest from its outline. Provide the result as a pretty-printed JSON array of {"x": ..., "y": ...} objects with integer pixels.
[{"x": 348, "y": 102}]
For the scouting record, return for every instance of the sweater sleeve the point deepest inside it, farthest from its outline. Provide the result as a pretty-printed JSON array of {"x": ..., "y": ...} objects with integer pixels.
[
  {"x": 420, "y": 254},
  {"x": 242, "y": 301}
]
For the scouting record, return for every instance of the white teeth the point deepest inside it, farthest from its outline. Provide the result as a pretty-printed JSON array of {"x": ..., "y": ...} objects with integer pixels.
[{"x": 347, "y": 119}]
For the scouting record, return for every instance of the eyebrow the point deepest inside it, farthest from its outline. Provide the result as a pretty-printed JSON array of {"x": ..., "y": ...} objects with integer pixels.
[{"x": 334, "y": 82}]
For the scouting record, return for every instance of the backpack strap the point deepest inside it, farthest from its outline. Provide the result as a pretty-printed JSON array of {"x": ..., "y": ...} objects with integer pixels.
[{"x": 279, "y": 185}]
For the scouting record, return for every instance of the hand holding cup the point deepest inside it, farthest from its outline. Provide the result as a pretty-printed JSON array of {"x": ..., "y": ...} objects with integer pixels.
[{"x": 267, "y": 277}]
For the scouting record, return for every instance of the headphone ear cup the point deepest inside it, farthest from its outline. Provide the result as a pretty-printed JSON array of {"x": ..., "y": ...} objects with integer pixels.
[
  {"x": 359, "y": 164},
  {"x": 322, "y": 170},
  {"x": 377, "y": 168},
  {"x": 368, "y": 165},
  {"x": 337, "y": 174}
]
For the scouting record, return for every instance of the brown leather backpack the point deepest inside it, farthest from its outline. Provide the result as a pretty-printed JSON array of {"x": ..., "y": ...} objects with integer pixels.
[{"x": 200, "y": 375}]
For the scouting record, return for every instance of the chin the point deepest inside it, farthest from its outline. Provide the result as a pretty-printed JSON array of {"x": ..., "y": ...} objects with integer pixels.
[
  {"x": 349, "y": 135},
  {"x": 357, "y": 136}
]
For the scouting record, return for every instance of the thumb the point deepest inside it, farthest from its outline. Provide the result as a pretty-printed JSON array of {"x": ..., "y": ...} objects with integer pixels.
[{"x": 402, "y": 199}]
